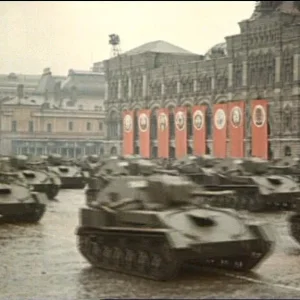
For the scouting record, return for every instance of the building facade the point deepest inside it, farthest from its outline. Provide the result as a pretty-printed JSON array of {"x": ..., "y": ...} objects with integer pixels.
[
  {"x": 65, "y": 117},
  {"x": 261, "y": 62}
]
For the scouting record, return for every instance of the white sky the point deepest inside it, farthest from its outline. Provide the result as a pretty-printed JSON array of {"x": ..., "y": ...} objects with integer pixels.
[{"x": 64, "y": 35}]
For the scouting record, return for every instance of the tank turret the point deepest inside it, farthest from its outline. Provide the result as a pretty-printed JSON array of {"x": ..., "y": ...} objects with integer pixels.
[
  {"x": 171, "y": 190},
  {"x": 254, "y": 165},
  {"x": 141, "y": 167},
  {"x": 19, "y": 162},
  {"x": 93, "y": 158},
  {"x": 55, "y": 159}
]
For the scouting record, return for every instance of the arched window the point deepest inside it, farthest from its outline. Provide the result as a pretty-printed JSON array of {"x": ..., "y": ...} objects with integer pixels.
[{"x": 287, "y": 151}]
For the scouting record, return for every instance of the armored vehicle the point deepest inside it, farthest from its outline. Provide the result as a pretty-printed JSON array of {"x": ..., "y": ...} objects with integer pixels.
[
  {"x": 256, "y": 187},
  {"x": 287, "y": 166},
  {"x": 90, "y": 164},
  {"x": 72, "y": 177},
  {"x": 151, "y": 226},
  {"x": 18, "y": 203},
  {"x": 36, "y": 174}
]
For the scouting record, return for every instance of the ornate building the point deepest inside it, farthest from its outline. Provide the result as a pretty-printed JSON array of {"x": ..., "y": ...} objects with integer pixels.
[
  {"x": 261, "y": 62},
  {"x": 59, "y": 117}
]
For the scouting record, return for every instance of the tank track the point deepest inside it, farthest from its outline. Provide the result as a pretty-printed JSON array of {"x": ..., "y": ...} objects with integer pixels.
[
  {"x": 52, "y": 191},
  {"x": 294, "y": 222},
  {"x": 150, "y": 256}
]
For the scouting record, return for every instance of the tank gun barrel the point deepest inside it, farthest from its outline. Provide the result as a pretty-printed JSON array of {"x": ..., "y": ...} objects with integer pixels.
[{"x": 167, "y": 172}]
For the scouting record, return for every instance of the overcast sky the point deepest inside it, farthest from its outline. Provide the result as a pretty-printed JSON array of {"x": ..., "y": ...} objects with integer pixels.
[{"x": 64, "y": 35}]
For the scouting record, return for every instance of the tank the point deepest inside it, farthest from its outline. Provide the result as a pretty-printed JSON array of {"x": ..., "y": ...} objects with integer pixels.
[
  {"x": 71, "y": 176},
  {"x": 18, "y": 203},
  {"x": 90, "y": 164},
  {"x": 36, "y": 174},
  {"x": 151, "y": 226},
  {"x": 287, "y": 166},
  {"x": 257, "y": 188}
]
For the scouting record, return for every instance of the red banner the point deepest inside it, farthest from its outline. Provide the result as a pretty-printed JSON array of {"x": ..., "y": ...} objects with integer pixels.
[
  {"x": 236, "y": 124},
  {"x": 144, "y": 132},
  {"x": 199, "y": 129},
  {"x": 128, "y": 132},
  {"x": 163, "y": 131},
  {"x": 220, "y": 130},
  {"x": 180, "y": 132},
  {"x": 259, "y": 113}
]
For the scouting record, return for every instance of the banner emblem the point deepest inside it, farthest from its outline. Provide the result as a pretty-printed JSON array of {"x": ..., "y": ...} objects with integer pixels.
[
  {"x": 127, "y": 123},
  {"x": 198, "y": 119},
  {"x": 180, "y": 120},
  {"x": 236, "y": 116},
  {"x": 259, "y": 116},
  {"x": 220, "y": 119},
  {"x": 162, "y": 121},
  {"x": 143, "y": 122}
]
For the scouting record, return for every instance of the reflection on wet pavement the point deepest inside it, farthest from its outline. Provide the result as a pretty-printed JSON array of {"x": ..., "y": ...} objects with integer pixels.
[{"x": 42, "y": 262}]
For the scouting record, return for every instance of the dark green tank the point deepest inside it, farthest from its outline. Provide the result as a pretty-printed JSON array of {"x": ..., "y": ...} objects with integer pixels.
[
  {"x": 287, "y": 166},
  {"x": 37, "y": 175},
  {"x": 72, "y": 177},
  {"x": 18, "y": 203},
  {"x": 256, "y": 186},
  {"x": 90, "y": 164},
  {"x": 151, "y": 225}
]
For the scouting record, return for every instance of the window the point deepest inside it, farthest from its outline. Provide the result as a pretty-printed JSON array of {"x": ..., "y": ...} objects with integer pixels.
[
  {"x": 30, "y": 126},
  {"x": 100, "y": 126},
  {"x": 88, "y": 126},
  {"x": 49, "y": 127},
  {"x": 70, "y": 126},
  {"x": 14, "y": 126}
]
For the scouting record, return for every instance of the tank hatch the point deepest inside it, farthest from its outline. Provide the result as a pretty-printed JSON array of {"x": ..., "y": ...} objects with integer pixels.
[
  {"x": 28, "y": 174},
  {"x": 201, "y": 221}
]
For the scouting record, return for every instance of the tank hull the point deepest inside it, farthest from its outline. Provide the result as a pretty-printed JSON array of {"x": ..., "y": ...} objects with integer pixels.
[
  {"x": 43, "y": 182},
  {"x": 150, "y": 252},
  {"x": 51, "y": 190},
  {"x": 30, "y": 211},
  {"x": 72, "y": 182},
  {"x": 70, "y": 177},
  {"x": 249, "y": 198}
]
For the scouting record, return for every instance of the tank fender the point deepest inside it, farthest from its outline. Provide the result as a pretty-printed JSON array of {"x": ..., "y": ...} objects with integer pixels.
[
  {"x": 263, "y": 231},
  {"x": 86, "y": 174},
  {"x": 39, "y": 197},
  {"x": 55, "y": 179},
  {"x": 177, "y": 240}
]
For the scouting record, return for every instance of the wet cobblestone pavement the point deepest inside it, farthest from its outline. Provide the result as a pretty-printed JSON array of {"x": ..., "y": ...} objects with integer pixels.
[{"x": 42, "y": 262}]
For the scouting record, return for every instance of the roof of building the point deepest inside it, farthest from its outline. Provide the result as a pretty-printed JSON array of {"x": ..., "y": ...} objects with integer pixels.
[
  {"x": 32, "y": 100},
  {"x": 46, "y": 83},
  {"x": 86, "y": 104},
  {"x": 14, "y": 79},
  {"x": 86, "y": 82},
  {"x": 158, "y": 47},
  {"x": 217, "y": 50}
]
